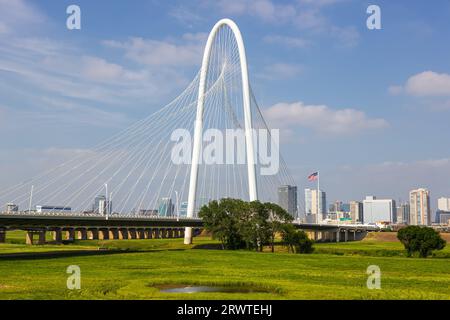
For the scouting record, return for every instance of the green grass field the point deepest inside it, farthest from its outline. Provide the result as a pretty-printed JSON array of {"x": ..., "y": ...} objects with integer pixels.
[{"x": 134, "y": 269}]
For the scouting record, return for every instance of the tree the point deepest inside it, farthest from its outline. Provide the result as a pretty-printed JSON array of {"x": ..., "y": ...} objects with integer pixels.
[
  {"x": 278, "y": 218},
  {"x": 239, "y": 224},
  {"x": 296, "y": 240},
  {"x": 420, "y": 240},
  {"x": 222, "y": 220}
]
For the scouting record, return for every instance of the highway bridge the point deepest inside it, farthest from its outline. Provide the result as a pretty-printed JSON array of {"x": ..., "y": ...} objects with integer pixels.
[{"x": 98, "y": 227}]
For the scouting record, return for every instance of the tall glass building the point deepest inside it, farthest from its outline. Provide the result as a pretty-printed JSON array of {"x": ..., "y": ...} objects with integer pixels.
[{"x": 287, "y": 199}]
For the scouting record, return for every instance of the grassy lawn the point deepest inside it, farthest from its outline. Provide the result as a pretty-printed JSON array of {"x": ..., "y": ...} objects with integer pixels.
[{"x": 134, "y": 269}]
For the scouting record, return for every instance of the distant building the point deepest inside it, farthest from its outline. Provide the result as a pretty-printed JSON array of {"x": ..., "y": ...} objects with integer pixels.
[
  {"x": 420, "y": 212},
  {"x": 148, "y": 212},
  {"x": 403, "y": 214},
  {"x": 443, "y": 217},
  {"x": 183, "y": 209},
  {"x": 287, "y": 199},
  {"x": 165, "y": 207},
  {"x": 444, "y": 204},
  {"x": 378, "y": 210},
  {"x": 335, "y": 207},
  {"x": 101, "y": 205},
  {"x": 345, "y": 207},
  {"x": 12, "y": 208},
  {"x": 314, "y": 209},
  {"x": 52, "y": 209},
  {"x": 356, "y": 211}
]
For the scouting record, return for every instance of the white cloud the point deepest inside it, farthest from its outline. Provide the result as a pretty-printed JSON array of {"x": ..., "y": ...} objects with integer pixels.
[
  {"x": 280, "y": 70},
  {"x": 428, "y": 83},
  {"x": 424, "y": 84},
  {"x": 321, "y": 118},
  {"x": 163, "y": 53},
  {"x": 18, "y": 14}
]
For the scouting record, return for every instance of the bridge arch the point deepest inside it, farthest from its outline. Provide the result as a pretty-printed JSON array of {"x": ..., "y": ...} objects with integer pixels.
[{"x": 198, "y": 126}]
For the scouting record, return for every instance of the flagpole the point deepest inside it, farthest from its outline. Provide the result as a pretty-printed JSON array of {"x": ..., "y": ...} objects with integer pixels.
[{"x": 318, "y": 198}]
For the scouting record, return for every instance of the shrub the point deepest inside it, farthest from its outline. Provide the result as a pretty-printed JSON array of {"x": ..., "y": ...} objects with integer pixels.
[
  {"x": 296, "y": 240},
  {"x": 420, "y": 240}
]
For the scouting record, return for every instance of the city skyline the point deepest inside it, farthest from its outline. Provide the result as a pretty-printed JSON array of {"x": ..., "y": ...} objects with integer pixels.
[{"x": 363, "y": 123}]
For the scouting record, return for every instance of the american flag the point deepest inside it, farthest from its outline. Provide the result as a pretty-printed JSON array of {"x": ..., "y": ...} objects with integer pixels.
[{"x": 313, "y": 176}]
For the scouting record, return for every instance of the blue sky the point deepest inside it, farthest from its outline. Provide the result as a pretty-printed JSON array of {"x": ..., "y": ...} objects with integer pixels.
[{"x": 370, "y": 109}]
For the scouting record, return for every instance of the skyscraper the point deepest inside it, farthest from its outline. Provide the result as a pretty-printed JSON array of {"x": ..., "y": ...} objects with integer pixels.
[
  {"x": 403, "y": 214},
  {"x": 101, "y": 205},
  {"x": 165, "y": 207},
  {"x": 419, "y": 202},
  {"x": 379, "y": 210},
  {"x": 444, "y": 204},
  {"x": 312, "y": 208},
  {"x": 356, "y": 211},
  {"x": 287, "y": 199},
  {"x": 183, "y": 209}
]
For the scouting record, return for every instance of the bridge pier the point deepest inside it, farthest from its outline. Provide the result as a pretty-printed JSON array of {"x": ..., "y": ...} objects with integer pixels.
[
  {"x": 148, "y": 233},
  {"x": 2, "y": 235},
  {"x": 188, "y": 235},
  {"x": 57, "y": 235},
  {"x": 70, "y": 234},
  {"x": 114, "y": 234},
  {"x": 132, "y": 233},
  {"x": 93, "y": 234},
  {"x": 103, "y": 234},
  {"x": 82, "y": 234},
  {"x": 30, "y": 237},
  {"x": 123, "y": 234},
  {"x": 141, "y": 234}
]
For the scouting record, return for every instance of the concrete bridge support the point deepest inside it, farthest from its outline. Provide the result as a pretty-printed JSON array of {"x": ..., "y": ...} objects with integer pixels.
[
  {"x": 132, "y": 233},
  {"x": 82, "y": 234},
  {"x": 93, "y": 234},
  {"x": 103, "y": 234},
  {"x": 2, "y": 235},
  {"x": 57, "y": 235},
  {"x": 148, "y": 233},
  {"x": 70, "y": 234},
  {"x": 114, "y": 234},
  {"x": 123, "y": 234},
  {"x": 30, "y": 237},
  {"x": 141, "y": 234}
]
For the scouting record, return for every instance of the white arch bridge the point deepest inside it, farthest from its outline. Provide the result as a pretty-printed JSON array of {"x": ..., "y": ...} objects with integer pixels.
[{"x": 133, "y": 179}]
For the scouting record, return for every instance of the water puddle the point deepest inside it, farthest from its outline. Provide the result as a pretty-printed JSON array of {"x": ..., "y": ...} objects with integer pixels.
[{"x": 198, "y": 289}]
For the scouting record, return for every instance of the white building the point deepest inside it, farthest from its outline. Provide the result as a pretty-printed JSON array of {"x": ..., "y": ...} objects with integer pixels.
[
  {"x": 444, "y": 204},
  {"x": 315, "y": 212},
  {"x": 378, "y": 210},
  {"x": 419, "y": 203}
]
